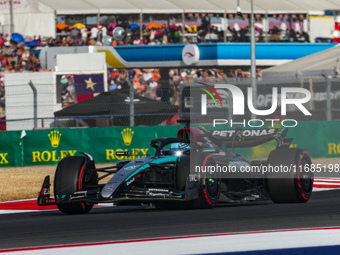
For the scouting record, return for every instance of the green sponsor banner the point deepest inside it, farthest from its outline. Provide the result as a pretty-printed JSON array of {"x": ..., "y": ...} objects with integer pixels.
[
  {"x": 11, "y": 148},
  {"x": 50, "y": 146},
  {"x": 321, "y": 139},
  {"x": 46, "y": 147}
]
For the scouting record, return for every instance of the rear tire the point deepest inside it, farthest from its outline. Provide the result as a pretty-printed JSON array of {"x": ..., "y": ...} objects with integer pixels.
[
  {"x": 69, "y": 177},
  {"x": 291, "y": 187}
]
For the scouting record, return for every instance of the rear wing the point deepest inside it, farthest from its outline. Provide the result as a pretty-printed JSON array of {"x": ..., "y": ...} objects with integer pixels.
[
  {"x": 242, "y": 138},
  {"x": 234, "y": 138}
]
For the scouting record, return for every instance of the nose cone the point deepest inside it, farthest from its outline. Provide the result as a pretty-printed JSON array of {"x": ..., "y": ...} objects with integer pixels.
[{"x": 112, "y": 185}]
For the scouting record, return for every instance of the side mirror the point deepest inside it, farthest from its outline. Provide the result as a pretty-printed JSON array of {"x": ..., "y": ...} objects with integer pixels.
[
  {"x": 238, "y": 132},
  {"x": 237, "y": 135},
  {"x": 122, "y": 153},
  {"x": 118, "y": 33}
]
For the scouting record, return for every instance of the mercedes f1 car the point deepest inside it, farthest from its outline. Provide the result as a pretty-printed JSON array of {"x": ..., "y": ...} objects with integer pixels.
[{"x": 168, "y": 178}]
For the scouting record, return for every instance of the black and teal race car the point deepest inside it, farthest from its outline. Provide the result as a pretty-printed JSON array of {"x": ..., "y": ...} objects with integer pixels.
[{"x": 182, "y": 174}]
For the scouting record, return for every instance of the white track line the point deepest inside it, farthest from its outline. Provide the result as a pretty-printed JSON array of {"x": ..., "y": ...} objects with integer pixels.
[{"x": 200, "y": 244}]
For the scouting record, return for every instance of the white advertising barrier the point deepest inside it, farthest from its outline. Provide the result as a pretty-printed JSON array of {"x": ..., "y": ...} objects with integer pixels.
[
  {"x": 81, "y": 62},
  {"x": 48, "y": 55}
]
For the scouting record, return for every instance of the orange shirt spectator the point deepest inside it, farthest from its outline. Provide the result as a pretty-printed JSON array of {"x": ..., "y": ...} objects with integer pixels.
[
  {"x": 141, "y": 88},
  {"x": 136, "y": 82},
  {"x": 155, "y": 76}
]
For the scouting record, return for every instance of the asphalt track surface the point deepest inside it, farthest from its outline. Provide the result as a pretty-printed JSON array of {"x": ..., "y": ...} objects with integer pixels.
[{"x": 123, "y": 223}]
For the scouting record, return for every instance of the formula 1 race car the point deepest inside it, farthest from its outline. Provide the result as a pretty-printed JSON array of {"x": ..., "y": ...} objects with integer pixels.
[{"x": 170, "y": 178}]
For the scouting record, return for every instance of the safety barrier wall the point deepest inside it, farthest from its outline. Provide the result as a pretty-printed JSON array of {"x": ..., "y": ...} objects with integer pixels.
[{"x": 46, "y": 147}]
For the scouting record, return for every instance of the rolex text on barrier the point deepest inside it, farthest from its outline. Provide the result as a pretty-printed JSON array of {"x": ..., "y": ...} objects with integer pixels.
[{"x": 43, "y": 147}]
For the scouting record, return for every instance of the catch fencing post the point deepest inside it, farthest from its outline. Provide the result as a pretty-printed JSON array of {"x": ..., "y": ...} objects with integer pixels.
[
  {"x": 35, "y": 104},
  {"x": 329, "y": 98},
  {"x": 132, "y": 99},
  {"x": 230, "y": 99},
  {"x": 253, "y": 57},
  {"x": 329, "y": 94}
]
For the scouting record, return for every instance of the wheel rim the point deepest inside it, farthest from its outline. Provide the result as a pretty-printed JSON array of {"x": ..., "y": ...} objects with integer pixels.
[
  {"x": 306, "y": 179},
  {"x": 211, "y": 182}
]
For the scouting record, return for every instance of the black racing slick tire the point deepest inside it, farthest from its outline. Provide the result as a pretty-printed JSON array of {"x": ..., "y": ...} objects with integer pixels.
[
  {"x": 294, "y": 185},
  {"x": 70, "y": 177},
  {"x": 209, "y": 188}
]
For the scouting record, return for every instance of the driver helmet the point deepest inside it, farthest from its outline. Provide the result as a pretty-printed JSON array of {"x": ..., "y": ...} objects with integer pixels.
[{"x": 178, "y": 147}]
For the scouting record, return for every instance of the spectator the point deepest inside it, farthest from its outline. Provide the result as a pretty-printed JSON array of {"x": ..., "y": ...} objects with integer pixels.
[
  {"x": 75, "y": 32},
  {"x": 25, "y": 56},
  {"x": 165, "y": 35},
  {"x": 113, "y": 85},
  {"x": 114, "y": 74},
  {"x": 2, "y": 40},
  {"x": 7, "y": 41},
  {"x": 121, "y": 80},
  {"x": 136, "y": 40},
  {"x": 147, "y": 75},
  {"x": 104, "y": 31},
  {"x": 94, "y": 33},
  {"x": 84, "y": 33},
  {"x": 292, "y": 36}
]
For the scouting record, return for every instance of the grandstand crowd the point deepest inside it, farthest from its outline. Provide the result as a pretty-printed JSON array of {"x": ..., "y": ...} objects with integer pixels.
[
  {"x": 23, "y": 57},
  {"x": 198, "y": 28}
]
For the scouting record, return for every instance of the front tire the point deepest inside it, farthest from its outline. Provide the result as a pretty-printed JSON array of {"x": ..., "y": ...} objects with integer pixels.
[
  {"x": 209, "y": 188},
  {"x": 70, "y": 177},
  {"x": 293, "y": 186}
]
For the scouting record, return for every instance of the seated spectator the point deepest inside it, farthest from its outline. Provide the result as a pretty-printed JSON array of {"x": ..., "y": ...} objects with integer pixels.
[
  {"x": 25, "y": 56},
  {"x": 141, "y": 88},
  {"x": 113, "y": 85}
]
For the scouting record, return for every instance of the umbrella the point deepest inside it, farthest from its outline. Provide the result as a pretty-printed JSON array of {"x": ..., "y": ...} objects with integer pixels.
[
  {"x": 17, "y": 37},
  {"x": 112, "y": 25},
  {"x": 80, "y": 26},
  {"x": 62, "y": 26},
  {"x": 193, "y": 28},
  {"x": 154, "y": 25},
  {"x": 134, "y": 26},
  {"x": 31, "y": 43}
]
